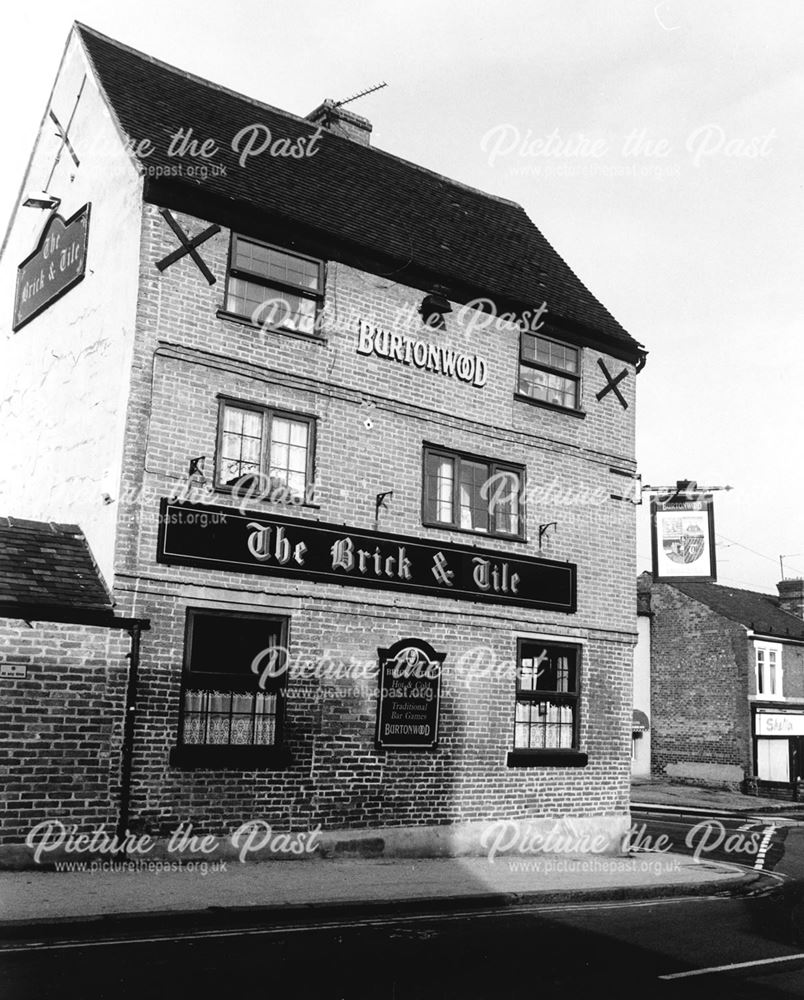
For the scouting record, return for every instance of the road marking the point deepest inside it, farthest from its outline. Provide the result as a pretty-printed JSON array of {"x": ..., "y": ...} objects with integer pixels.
[
  {"x": 763, "y": 848},
  {"x": 734, "y": 965},
  {"x": 446, "y": 916}
]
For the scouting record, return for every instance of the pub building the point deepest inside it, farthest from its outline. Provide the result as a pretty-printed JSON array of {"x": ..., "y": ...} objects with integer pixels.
[{"x": 351, "y": 438}]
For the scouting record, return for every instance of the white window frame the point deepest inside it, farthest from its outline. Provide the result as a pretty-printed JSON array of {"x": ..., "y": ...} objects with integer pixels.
[{"x": 762, "y": 677}]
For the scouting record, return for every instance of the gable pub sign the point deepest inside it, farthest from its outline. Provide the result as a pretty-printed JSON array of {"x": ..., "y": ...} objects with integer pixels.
[{"x": 56, "y": 265}]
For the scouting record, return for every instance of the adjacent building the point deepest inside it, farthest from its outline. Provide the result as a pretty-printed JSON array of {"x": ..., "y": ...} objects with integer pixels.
[
  {"x": 727, "y": 683},
  {"x": 351, "y": 437}
]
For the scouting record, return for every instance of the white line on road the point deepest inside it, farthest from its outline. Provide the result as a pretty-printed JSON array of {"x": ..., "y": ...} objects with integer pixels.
[
  {"x": 193, "y": 935},
  {"x": 733, "y": 966}
]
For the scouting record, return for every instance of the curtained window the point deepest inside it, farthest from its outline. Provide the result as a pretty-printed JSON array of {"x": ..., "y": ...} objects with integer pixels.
[
  {"x": 547, "y": 686},
  {"x": 472, "y": 494}
]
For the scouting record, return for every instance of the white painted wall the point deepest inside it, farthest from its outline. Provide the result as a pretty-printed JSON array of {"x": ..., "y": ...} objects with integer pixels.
[
  {"x": 64, "y": 376},
  {"x": 640, "y": 763}
]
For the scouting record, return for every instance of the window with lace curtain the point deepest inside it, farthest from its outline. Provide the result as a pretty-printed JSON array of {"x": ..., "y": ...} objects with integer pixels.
[
  {"x": 547, "y": 685},
  {"x": 264, "y": 450},
  {"x": 472, "y": 494},
  {"x": 233, "y": 683}
]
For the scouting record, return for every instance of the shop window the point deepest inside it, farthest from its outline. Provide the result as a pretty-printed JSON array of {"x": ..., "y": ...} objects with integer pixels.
[
  {"x": 267, "y": 452},
  {"x": 472, "y": 494},
  {"x": 549, "y": 372},
  {"x": 768, "y": 669},
  {"x": 272, "y": 287},
  {"x": 232, "y": 689},
  {"x": 547, "y": 701},
  {"x": 773, "y": 760}
]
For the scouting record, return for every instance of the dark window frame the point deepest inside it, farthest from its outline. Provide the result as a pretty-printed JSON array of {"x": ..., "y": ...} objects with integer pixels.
[
  {"x": 495, "y": 467},
  {"x": 550, "y": 370},
  {"x": 550, "y": 756},
  {"x": 246, "y": 756},
  {"x": 267, "y": 413},
  {"x": 232, "y": 271}
]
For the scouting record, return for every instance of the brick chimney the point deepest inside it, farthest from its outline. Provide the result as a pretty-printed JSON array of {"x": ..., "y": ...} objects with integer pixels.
[
  {"x": 644, "y": 584},
  {"x": 341, "y": 122},
  {"x": 791, "y": 596}
]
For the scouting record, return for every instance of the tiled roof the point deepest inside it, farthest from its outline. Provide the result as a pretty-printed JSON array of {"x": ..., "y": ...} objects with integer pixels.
[
  {"x": 759, "y": 612},
  {"x": 49, "y": 565},
  {"x": 361, "y": 196}
]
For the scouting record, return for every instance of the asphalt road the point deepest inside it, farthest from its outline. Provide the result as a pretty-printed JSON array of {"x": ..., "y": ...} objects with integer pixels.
[{"x": 622, "y": 949}]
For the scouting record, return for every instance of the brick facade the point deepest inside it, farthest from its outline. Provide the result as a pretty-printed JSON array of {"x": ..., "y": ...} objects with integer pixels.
[
  {"x": 187, "y": 357},
  {"x": 706, "y": 708},
  {"x": 699, "y": 685},
  {"x": 373, "y": 418}
]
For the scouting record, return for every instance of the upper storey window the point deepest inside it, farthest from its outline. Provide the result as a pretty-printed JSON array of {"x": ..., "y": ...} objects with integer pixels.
[
  {"x": 549, "y": 371},
  {"x": 273, "y": 287}
]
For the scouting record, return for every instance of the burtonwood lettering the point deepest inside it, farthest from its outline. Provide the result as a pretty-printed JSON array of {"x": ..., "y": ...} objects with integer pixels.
[
  {"x": 250, "y": 542},
  {"x": 430, "y": 357}
]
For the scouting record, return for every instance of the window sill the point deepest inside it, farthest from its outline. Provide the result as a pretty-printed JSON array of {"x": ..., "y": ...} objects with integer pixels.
[
  {"x": 191, "y": 758},
  {"x": 547, "y": 758},
  {"x": 549, "y": 406},
  {"x": 312, "y": 338},
  {"x": 475, "y": 534},
  {"x": 228, "y": 491}
]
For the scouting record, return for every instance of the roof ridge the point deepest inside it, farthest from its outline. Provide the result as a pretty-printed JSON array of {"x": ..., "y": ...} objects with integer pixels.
[
  {"x": 726, "y": 586},
  {"x": 289, "y": 114}
]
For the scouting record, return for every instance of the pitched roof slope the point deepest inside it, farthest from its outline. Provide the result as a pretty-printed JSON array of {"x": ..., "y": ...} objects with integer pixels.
[
  {"x": 759, "y": 612},
  {"x": 359, "y": 194},
  {"x": 49, "y": 565}
]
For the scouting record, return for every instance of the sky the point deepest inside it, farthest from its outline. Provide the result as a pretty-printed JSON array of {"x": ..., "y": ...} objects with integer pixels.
[{"x": 657, "y": 146}]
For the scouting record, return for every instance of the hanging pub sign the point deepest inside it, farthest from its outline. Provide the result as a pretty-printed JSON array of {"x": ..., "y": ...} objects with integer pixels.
[
  {"x": 56, "y": 265},
  {"x": 409, "y": 696},
  {"x": 233, "y": 540},
  {"x": 683, "y": 534}
]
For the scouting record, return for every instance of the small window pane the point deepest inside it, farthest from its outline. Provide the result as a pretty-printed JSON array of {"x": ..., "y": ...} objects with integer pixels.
[
  {"x": 289, "y": 462},
  {"x": 241, "y": 444},
  {"x": 474, "y": 510}
]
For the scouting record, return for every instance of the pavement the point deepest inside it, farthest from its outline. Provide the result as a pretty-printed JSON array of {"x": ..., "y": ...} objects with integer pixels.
[
  {"x": 114, "y": 893},
  {"x": 266, "y": 890}
]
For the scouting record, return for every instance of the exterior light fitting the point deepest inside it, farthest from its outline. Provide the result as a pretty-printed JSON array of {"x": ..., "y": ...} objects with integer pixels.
[
  {"x": 434, "y": 306},
  {"x": 41, "y": 199}
]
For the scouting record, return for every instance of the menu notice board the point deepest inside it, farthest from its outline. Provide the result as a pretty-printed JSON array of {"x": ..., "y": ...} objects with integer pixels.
[{"x": 409, "y": 695}]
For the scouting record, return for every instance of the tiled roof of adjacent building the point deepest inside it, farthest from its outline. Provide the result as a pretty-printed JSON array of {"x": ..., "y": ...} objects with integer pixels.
[
  {"x": 363, "y": 197},
  {"x": 759, "y": 612},
  {"x": 46, "y": 565}
]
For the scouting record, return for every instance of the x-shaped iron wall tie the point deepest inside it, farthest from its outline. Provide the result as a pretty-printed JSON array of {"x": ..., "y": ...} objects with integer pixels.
[
  {"x": 612, "y": 384},
  {"x": 64, "y": 134},
  {"x": 188, "y": 246}
]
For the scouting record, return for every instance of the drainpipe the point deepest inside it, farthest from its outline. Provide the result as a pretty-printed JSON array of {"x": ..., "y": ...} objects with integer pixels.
[{"x": 127, "y": 748}]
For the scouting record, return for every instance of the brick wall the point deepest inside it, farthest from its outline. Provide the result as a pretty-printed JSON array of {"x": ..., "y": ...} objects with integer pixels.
[
  {"x": 60, "y": 726},
  {"x": 699, "y": 686},
  {"x": 185, "y": 356}
]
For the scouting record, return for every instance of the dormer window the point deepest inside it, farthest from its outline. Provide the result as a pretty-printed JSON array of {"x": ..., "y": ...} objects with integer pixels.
[{"x": 272, "y": 287}]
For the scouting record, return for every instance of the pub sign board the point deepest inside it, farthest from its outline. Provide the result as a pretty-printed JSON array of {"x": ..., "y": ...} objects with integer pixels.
[
  {"x": 683, "y": 537},
  {"x": 232, "y": 540},
  {"x": 409, "y": 696},
  {"x": 56, "y": 265}
]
